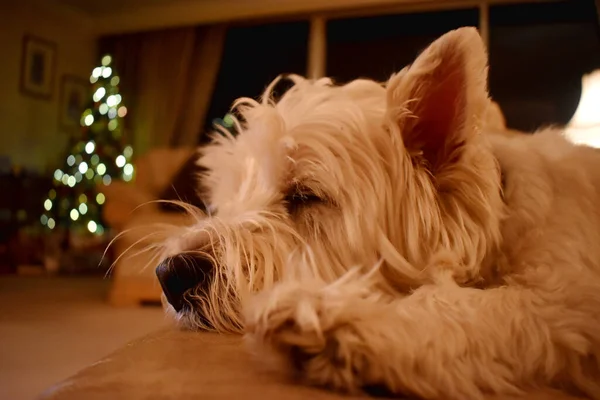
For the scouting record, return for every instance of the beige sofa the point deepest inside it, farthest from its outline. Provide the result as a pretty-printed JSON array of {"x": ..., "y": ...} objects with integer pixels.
[
  {"x": 132, "y": 211},
  {"x": 180, "y": 365}
]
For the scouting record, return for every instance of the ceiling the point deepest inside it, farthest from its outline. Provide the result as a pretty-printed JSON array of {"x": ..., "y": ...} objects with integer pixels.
[
  {"x": 119, "y": 16},
  {"x": 106, "y": 17},
  {"x": 104, "y": 7}
]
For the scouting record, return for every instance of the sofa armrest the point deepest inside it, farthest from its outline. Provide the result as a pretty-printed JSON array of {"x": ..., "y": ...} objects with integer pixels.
[
  {"x": 123, "y": 199},
  {"x": 156, "y": 169}
]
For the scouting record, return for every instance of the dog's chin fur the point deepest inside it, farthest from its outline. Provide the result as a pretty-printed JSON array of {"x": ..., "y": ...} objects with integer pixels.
[{"x": 363, "y": 234}]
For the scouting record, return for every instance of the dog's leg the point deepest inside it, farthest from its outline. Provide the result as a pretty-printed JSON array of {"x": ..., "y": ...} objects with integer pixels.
[{"x": 443, "y": 341}]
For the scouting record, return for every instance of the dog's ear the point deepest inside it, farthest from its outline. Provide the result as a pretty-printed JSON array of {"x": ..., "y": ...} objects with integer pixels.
[{"x": 438, "y": 102}]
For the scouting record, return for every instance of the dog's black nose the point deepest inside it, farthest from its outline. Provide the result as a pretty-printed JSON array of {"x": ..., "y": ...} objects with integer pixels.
[{"x": 181, "y": 273}]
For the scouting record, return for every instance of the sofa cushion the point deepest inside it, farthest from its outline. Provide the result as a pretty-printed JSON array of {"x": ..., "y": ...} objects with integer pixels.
[{"x": 173, "y": 364}]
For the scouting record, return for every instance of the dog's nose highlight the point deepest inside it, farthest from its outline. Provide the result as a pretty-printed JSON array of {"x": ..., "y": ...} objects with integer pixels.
[{"x": 181, "y": 273}]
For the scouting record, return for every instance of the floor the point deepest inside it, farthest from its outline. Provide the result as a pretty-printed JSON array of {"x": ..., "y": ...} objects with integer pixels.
[{"x": 52, "y": 327}]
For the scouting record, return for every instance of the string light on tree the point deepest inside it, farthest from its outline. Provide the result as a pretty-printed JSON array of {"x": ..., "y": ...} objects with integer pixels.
[
  {"x": 83, "y": 208},
  {"x": 93, "y": 159},
  {"x": 120, "y": 161},
  {"x": 89, "y": 147},
  {"x": 101, "y": 169},
  {"x": 226, "y": 123},
  {"x": 92, "y": 226}
]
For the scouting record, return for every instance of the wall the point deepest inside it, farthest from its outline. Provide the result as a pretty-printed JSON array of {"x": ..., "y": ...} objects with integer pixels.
[
  {"x": 120, "y": 16},
  {"x": 29, "y": 131}
]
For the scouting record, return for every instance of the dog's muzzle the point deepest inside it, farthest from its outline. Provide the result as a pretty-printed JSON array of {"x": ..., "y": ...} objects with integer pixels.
[{"x": 179, "y": 274}]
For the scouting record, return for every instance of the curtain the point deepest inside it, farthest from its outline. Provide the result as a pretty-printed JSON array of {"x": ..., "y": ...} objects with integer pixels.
[
  {"x": 167, "y": 79},
  {"x": 202, "y": 77}
]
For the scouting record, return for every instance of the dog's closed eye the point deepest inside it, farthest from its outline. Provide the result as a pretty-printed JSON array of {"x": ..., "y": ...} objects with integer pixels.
[{"x": 300, "y": 198}]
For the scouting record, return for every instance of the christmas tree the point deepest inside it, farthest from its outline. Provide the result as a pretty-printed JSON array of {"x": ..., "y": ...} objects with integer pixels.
[{"x": 93, "y": 159}]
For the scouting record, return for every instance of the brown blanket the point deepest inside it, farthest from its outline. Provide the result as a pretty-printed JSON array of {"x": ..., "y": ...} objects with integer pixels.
[{"x": 184, "y": 365}]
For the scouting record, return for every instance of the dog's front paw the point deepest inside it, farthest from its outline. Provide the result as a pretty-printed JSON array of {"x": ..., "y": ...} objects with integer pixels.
[{"x": 316, "y": 333}]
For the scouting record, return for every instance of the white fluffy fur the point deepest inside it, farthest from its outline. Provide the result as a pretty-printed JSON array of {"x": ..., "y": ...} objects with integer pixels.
[{"x": 417, "y": 271}]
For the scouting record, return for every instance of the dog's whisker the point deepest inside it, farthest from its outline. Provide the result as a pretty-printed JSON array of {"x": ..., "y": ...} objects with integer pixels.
[{"x": 130, "y": 247}]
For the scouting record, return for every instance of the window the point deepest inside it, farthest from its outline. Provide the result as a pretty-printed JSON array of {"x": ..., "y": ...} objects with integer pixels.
[
  {"x": 376, "y": 47},
  {"x": 538, "y": 54},
  {"x": 253, "y": 56}
]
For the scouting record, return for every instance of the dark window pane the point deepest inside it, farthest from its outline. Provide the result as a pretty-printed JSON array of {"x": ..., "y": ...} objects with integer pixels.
[
  {"x": 253, "y": 56},
  {"x": 376, "y": 47},
  {"x": 538, "y": 54}
]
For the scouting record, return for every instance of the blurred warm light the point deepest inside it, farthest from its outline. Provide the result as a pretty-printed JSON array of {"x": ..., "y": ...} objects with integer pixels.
[
  {"x": 83, "y": 167},
  {"x": 89, "y": 147},
  {"x": 120, "y": 161},
  {"x": 101, "y": 169},
  {"x": 74, "y": 214},
  {"x": 99, "y": 94},
  {"x": 106, "y": 60},
  {"x": 228, "y": 121},
  {"x": 128, "y": 169},
  {"x": 584, "y": 127},
  {"x": 106, "y": 72},
  {"x": 89, "y": 119},
  {"x": 92, "y": 226},
  {"x": 100, "y": 198},
  {"x": 128, "y": 151},
  {"x": 111, "y": 100}
]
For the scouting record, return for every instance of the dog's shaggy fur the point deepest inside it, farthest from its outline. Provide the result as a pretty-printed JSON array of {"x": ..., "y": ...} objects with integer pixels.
[{"x": 375, "y": 235}]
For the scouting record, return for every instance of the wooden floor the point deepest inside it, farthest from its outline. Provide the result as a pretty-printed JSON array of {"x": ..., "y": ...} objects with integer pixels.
[{"x": 52, "y": 327}]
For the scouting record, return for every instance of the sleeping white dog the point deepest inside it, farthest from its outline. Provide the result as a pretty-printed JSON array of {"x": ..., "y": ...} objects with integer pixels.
[{"x": 373, "y": 235}]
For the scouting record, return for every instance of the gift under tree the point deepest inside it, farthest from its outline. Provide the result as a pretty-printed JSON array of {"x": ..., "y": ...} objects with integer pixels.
[{"x": 93, "y": 159}]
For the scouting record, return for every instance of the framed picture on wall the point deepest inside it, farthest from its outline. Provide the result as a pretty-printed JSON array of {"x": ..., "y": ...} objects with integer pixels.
[
  {"x": 74, "y": 93},
  {"x": 38, "y": 67}
]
